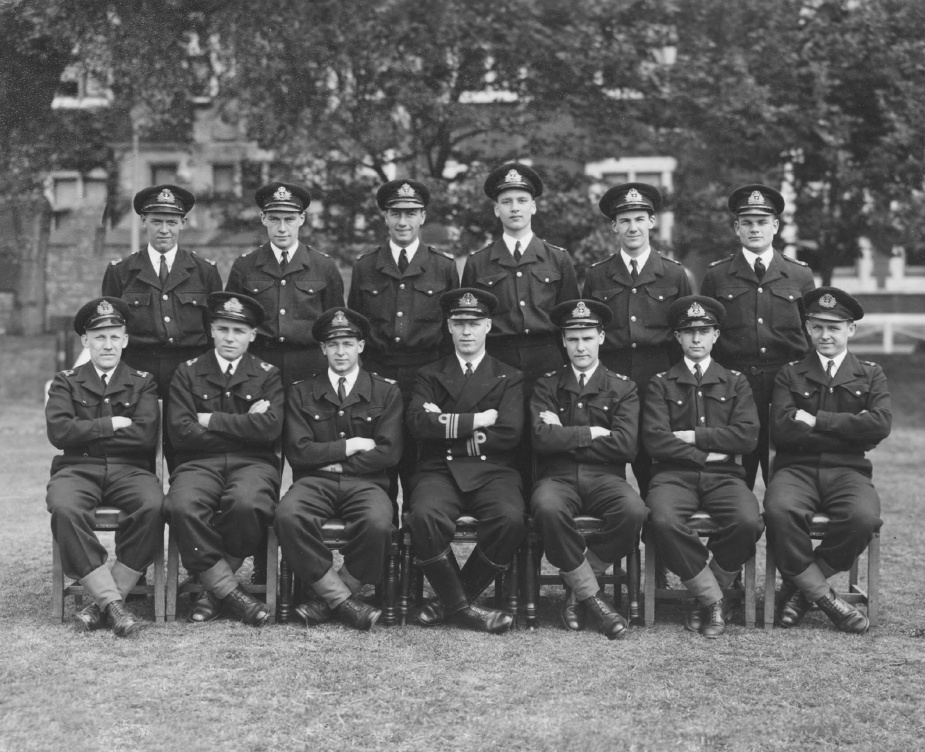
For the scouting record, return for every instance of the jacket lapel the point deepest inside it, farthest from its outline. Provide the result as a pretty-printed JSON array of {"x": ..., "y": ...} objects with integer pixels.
[
  {"x": 266, "y": 261},
  {"x": 386, "y": 264},
  {"x": 87, "y": 378},
  {"x": 146, "y": 272},
  {"x": 181, "y": 270},
  {"x": 452, "y": 379}
]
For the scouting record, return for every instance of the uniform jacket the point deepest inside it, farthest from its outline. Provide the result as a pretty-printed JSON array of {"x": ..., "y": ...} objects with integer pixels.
[
  {"x": 199, "y": 386},
  {"x": 526, "y": 292},
  {"x": 318, "y": 426},
  {"x": 721, "y": 412},
  {"x": 78, "y": 416},
  {"x": 176, "y": 315},
  {"x": 640, "y": 308},
  {"x": 292, "y": 301},
  {"x": 852, "y": 413},
  {"x": 609, "y": 401},
  {"x": 763, "y": 323},
  {"x": 404, "y": 310},
  {"x": 447, "y": 439}
]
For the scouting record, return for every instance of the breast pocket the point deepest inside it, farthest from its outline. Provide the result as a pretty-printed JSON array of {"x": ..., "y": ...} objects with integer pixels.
[
  {"x": 208, "y": 398},
  {"x": 363, "y": 421},
  {"x": 785, "y": 309},
  {"x": 192, "y": 311},
  {"x": 545, "y": 287},
  {"x": 737, "y": 303},
  {"x": 376, "y": 302},
  {"x": 611, "y": 296},
  {"x": 427, "y": 294},
  {"x": 806, "y": 395},
  {"x": 491, "y": 282},
  {"x": 263, "y": 289},
  {"x": 852, "y": 398},
  {"x": 657, "y": 300},
  {"x": 309, "y": 302},
  {"x": 717, "y": 406}
]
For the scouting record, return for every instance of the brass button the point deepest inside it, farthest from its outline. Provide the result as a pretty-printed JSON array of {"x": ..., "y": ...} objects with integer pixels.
[
  {"x": 520, "y": 274},
  {"x": 283, "y": 282},
  {"x": 164, "y": 297},
  {"x": 282, "y": 311},
  {"x": 167, "y": 318}
]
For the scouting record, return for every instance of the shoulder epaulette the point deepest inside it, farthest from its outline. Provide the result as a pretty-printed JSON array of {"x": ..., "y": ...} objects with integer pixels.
[
  {"x": 472, "y": 253},
  {"x": 723, "y": 260},
  {"x": 191, "y": 361},
  {"x": 297, "y": 382},
  {"x": 794, "y": 261},
  {"x": 547, "y": 375},
  {"x": 266, "y": 366},
  {"x": 869, "y": 363},
  {"x": 673, "y": 261},
  {"x": 793, "y": 362},
  {"x": 370, "y": 252},
  {"x": 68, "y": 372},
  {"x": 621, "y": 376},
  {"x": 383, "y": 378},
  {"x": 734, "y": 373},
  {"x": 439, "y": 252},
  {"x": 211, "y": 261},
  {"x": 114, "y": 262},
  {"x": 603, "y": 260},
  {"x": 143, "y": 374},
  {"x": 322, "y": 253},
  {"x": 661, "y": 375},
  {"x": 557, "y": 247}
]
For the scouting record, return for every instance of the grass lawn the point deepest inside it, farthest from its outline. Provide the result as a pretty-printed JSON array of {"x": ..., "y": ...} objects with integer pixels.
[{"x": 226, "y": 686}]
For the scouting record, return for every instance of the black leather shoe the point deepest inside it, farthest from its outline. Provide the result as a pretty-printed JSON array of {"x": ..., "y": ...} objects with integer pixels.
[
  {"x": 609, "y": 622},
  {"x": 142, "y": 582},
  {"x": 793, "y": 606},
  {"x": 357, "y": 614},
  {"x": 843, "y": 615},
  {"x": 314, "y": 612},
  {"x": 247, "y": 608},
  {"x": 431, "y": 613},
  {"x": 91, "y": 618},
  {"x": 694, "y": 620},
  {"x": 573, "y": 613},
  {"x": 717, "y": 614},
  {"x": 124, "y": 623},
  {"x": 481, "y": 619},
  {"x": 207, "y": 607}
]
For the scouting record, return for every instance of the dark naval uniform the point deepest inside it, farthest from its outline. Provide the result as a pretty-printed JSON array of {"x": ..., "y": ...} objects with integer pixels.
[{"x": 102, "y": 467}]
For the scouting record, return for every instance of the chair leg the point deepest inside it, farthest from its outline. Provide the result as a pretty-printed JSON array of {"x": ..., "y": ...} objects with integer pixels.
[
  {"x": 390, "y": 589},
  {"x": 272, "y": 572},
  {"x": 284, "y": 604},
  {"x": 750, "y": 592},
  {"x": 770, "y": 587},
  {"x": 173, "y": 576},
  {"x": 873, "y": 581},
  {"x": 160, "y": 596},
  {"x": 57, "y": 584},
  {"x": 405, "y": 574},
  {"x": 649, "y": 600},
  {"x": 531, "y": 583},
  {"x": 513, "y": 577},
  {"x": 632, "y": 584}
]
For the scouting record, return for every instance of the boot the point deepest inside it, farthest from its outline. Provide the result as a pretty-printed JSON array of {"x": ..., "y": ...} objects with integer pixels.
[
  {"x": 122, "y": 620},
  {"x": 477, "y": 574},
  {"x": 248, "y": 609},
  {"x": 91, "y": 618},
  {"x": 573, "y": 613},
  {"x": 793, "y": 605},
  {"x": 207, "y": 607},
  {"x": 694, "y": 620},
  {"x": 609, "y": 622},
  {"x": 314, "y": 612},
  {"x": 717, "y": 614},
  {"x": 843, "y": 615},
  {"x": 357, "y": 614},
  {"x": 446, "y": 580}
]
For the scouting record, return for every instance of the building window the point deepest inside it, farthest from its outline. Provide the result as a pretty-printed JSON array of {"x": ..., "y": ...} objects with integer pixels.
[
  {"x": 66, "y": 192},
  {"x": 163, "y": 173},
  {"x": 223, "y": 179}
]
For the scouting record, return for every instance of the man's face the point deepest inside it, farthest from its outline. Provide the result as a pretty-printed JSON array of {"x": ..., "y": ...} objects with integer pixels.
[
  {"x": 105, "y": 346},
  {"x": 404, "y": 225},
  {"x": 283, "y": 227},
  {"x": 756, "y": 231},
  {"x": 830, "y": 338},
  {"x": 343, "y": 353},
  {"x": 163, "y": 230},
  {"x": 582, "y": 346},
  {"x": 469, "y": 335},
  {"x": 697, "y": 342},
  {"x": 632, "y": 229},
  {"x": 232, "y": 337},
  {"x": 515, "y": 208}
]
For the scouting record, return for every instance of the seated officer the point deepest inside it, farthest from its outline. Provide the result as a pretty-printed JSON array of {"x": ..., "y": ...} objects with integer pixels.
[
  {"x": 467, "y": 414},
  {"x": 226, "y": 412},
  {"x": 585, "y": 423},
  {"x": 104, "y": 416},
  {"x": 343, "y": 433},
  {"x": 828, "y": 409},
  {"x": 698, "y": 417}
]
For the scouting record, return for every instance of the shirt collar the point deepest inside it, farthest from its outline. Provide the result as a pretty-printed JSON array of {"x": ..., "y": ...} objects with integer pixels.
[
  {"x": 510, "y": 242},
  {"x": 409, "y": 249},
  {"x": 278, "y": 252},
  {"x": 839, "y": 359},
  {"x": 588, "y": 374},
  {"x": 108, "y": 373},
  {"x": 704, "y": 364},
  {"x": 351, "y": 379},
  {"x": 640, "y": 259},
  {"x": 223, "y": 364},
  {"x": 765, "y": 256},
  {"x": 156, "y": 257},
  {"x": 475, "y": 361}
]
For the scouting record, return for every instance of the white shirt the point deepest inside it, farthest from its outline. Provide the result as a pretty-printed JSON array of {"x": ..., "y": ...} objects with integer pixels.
[
  {"x": 156, "y": 258},
  {"x": 640, "y": 259},
  {"x": 223, "y": 364},
  {"x": 107, "y": 374},
  {"x": 511, "y": 241},
  {"x": 278, "y": 252},
  {"x": 351, "y": 379},
  {"x": 475, "y": 362},
  {"x": 704, "y": 365},
  {"x": 588, "y": 374},
  {"x": 765, "y": 256},
  {"x": 409, "y": 249},
  {"x": 824, "y": 359}
]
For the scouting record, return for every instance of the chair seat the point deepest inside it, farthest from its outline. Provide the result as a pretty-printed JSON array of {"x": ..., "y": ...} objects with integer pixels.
[
  {"x": 107, "y": 518},
  {"x": 819, "y": 525}
]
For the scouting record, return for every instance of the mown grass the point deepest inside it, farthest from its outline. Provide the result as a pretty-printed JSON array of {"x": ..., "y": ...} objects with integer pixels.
[{"x": 225, "y": 686}]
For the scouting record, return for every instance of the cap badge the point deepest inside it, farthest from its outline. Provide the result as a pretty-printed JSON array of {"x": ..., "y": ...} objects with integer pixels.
[
  {"x": 166, "y": 197},
  {"x": 827, "y": 301},
  {"x": 283, "y": 194},
  {"x": 514, "y": 177},
  {"x": 696, "y": 311},
  {"x": 340, "y": 319},
  {"x": 468, "y": 301},
  {"x": 406, "y": 191},
  {"x": 233, "y": 305},
  {"x": 581, "y": 311},
  {"x": 756, "y": 199},
  {"x": 104, "y": 308},
  {"x": 634, "y": 197}
]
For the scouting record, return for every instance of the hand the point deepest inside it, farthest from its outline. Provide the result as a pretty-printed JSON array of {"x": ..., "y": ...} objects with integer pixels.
[
  {"x": 204, "y": 419},
  {"x": 358, "y": 444},
  {"x": 259, "y": 407},
  {"x": 431, "y": 408},
  {"x": 688, "y": 437},
  {"x": 335, "y": 467},
  {"x": 717, "y": 457},
  {"x": 550, "y": 418},
  {"x": 120, "y": 421},
  {"x": 599, "y": 432},
  {"x": 805, "y": 417},
  {"x": 485, "y": 419}
]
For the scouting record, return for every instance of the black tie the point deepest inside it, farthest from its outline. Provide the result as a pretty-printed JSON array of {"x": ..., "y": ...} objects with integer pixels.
[
  {"x": 402, "y": 260},
  {"x": 284, "y": 261},
  {"x": 581, "y": 383},
  {"x": 634, "y": 271},
  {"x": 162, "y": 272},
  {"x": 468, "y": 370},
  {"x": 698, "y": 374},
  {"x": 517, "y": 252},
  {"x": 228, "y": 374},
  {"x": 341, "y": 390},
  {"x": 105, "y": 378},
  {"x": 759, "y": 268},
  {"x": 830, "y": 370}
]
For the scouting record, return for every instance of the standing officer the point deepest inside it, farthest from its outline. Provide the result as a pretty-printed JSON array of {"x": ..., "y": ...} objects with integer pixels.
[
  {"x": 467, "y": 414},
  {"x": 698, "y": 417},
  {"x": 343, "y": 433},
  {"x": 104, "y": 416},
  {"x": 165, "y": 287},
  {"x": 226, "y": 413},
  {"x": 829, "y": 409},
  {"x": 585, "y": 422},
  {"x": 397, "y": 287},
  {"x": 293, "y": 283},
  {"x": 637, "y": 284},
  {"x": 528, "y": 276},
  {"x": 761, "y": 291}
]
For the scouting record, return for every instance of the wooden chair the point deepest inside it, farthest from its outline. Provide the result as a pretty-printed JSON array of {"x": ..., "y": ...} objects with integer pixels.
[
  {"x": 533, "y": 578},
  {"x": 292, "y": 589},
  {"x": 702, "y": 524},
  {"x": 855, "y": 595}
]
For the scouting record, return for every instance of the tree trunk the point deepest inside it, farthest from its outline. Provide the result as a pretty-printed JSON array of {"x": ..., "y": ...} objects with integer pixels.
[{"x": 31, "y": 223}]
